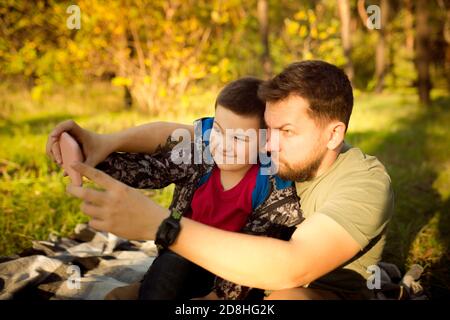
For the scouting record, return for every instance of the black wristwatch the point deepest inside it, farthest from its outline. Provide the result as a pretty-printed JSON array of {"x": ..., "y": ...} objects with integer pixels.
[{"x": 168, "y": 230}]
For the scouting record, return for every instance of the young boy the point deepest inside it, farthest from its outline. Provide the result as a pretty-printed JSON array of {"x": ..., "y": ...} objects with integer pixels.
[{"x": 223, "y": 193}]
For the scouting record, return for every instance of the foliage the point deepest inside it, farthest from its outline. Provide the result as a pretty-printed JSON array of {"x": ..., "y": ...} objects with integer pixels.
[{"x": 159, "y": 49}]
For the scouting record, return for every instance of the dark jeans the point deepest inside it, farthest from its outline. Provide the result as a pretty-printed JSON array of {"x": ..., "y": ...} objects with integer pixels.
[{"x": 172, "y": 277}]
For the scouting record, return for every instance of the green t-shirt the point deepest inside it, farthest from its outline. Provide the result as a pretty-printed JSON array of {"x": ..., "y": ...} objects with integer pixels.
[{"x": 356, "y": 192}]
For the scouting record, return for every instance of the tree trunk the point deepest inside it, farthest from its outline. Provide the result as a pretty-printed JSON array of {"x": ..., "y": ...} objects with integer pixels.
[
  {"x": 447, "y": 49},
  {"x": 263, "y": 18},
  {"x": 409, "y": 25},
  {"x": 446, "y": 32},
  {"x": 344, "y": 13},
  {"x": 380, "y": 52},
  {"x": 360, "y": 5},
  {"x": 422, "y": 52},
  {"x": 127, "y": 98}
]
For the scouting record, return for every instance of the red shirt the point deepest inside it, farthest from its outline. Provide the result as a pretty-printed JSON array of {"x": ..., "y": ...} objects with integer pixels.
[{"x": 226, "y": 210}]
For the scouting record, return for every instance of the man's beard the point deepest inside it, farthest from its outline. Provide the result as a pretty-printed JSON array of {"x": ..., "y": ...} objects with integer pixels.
[{"x": 303, "y": 172}]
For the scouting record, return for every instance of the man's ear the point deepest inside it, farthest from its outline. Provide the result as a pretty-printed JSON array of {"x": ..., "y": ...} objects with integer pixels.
[{"x": 336, "y": 136}]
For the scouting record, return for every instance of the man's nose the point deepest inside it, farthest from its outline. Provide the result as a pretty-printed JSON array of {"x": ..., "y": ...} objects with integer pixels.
[{"x": 272, "y": 141}]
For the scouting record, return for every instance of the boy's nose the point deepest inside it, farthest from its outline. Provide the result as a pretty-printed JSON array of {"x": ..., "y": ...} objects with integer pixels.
[{"x": 227, "y": 145}]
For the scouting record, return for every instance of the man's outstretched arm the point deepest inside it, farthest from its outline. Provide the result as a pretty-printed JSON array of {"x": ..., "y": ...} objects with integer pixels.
[{"x": 318, "y": 246}]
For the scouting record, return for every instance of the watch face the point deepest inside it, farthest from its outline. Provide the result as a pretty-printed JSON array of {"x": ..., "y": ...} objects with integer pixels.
[
  {"x": 167, "y": 232},
  {"x": 172, "y": 233}
]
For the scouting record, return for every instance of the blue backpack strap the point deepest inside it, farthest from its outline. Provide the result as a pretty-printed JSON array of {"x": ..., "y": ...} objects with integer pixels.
[
  {"x": 261, "y": 191},
  {"x": 201, "y": 126},
  {"x": 262, "y": 188},
  {"x": 203, "y": 179},
  {"x": 205, "y": 124},
  {"x": 282, "y": 184}
]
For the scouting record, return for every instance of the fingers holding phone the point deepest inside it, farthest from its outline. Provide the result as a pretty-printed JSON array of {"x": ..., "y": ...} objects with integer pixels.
[{"x": 70, "y": 153}]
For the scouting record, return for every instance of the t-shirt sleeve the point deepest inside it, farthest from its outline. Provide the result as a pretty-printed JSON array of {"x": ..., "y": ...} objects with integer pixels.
[{"x": 362, "y": 204}]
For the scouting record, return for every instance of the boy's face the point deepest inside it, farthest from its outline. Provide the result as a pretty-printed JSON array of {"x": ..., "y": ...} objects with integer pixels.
[{"x": 234, "y": 139}]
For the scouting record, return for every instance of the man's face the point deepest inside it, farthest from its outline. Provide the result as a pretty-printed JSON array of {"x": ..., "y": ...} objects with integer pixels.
[{"x": 301, "y": 142}]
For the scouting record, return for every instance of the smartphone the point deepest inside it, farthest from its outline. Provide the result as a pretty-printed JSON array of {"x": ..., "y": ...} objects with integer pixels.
[{"x": 71, "y": 152}]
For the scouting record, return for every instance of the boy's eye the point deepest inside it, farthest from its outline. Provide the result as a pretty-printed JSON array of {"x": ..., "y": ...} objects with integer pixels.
[{"x": 239, "y": 138}]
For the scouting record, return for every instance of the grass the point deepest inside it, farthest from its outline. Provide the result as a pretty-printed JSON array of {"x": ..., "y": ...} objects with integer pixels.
[{"x": 412, "y": 142}]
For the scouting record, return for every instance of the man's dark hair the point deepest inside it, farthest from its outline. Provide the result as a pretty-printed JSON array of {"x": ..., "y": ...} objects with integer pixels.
[
  {"x": 325, "y": 86},
  {"x": 241, "y": 97}
]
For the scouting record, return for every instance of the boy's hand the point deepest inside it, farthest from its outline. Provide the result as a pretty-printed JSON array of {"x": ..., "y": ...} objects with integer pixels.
[
  {"x": 118, "y": 209},
  {"x": 95, "y": 147}
]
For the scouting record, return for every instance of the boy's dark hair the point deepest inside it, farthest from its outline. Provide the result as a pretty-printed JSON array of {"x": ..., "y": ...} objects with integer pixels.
[
  {"x": 325, "y": 86},
  {"x": 241, "y": 97}
]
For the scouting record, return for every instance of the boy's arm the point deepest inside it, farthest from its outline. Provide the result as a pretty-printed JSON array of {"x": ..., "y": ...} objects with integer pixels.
[
  {"x": 157, "y": 169},
  {"x": 145, "y": 171},
  {"x": 96, "y": 147},
  {"x": 148, "y": 137}
]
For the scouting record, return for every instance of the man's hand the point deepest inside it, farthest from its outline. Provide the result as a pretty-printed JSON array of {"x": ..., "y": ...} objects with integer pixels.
[
  {"x": 118, "y": 209},
  {"x": 96, "y": 147}
]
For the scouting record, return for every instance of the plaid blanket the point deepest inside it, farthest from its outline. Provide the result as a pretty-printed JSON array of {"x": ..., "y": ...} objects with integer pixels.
[
  {"x": 89, "y": 264},
  {"x": 86, "y": 266}
]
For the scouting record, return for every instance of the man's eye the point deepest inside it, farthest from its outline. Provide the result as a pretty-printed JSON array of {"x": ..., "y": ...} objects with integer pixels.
[{"x": 239, "y": 138}]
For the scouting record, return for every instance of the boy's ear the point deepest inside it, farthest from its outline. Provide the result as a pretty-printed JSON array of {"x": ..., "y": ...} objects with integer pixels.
[{"x": 336, "y": 134}]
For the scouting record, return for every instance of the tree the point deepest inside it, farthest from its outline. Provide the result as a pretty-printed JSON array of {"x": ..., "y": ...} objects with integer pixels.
[
  {"x": 423, "y": 52},
  {"x": 445, "y": 6},
  {"x": 344, "y": 14},
  {"x": 381, "y": 66},
  {"x": 409, "y": 25},
  {"x": 263, "y": 19}
]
